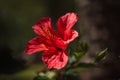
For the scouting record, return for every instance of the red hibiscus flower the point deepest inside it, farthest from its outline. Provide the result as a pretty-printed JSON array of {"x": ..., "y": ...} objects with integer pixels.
[{"x": 53, "y": 43}]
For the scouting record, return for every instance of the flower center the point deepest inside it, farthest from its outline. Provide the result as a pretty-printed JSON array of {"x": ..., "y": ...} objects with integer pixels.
[{"x": 59, "y": 49}]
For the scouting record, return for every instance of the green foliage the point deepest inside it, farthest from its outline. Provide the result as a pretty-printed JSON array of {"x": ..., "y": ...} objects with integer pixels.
[
  {"x": 47, "y": 75},
  {"x": 81, "y": 50},
  {"x": 101, "y": 55},
  {"x": 71, "y": 60}
]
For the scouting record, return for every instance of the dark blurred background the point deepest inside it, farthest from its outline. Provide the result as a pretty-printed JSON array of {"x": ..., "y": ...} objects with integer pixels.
[{"x": 98, "y": 24}]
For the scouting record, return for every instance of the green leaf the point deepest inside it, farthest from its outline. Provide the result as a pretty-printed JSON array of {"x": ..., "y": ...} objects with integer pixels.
[
  {"x": 81, "y": 50},
  {"x": 86, "y": 65},
  {"x": 84, "y": 46},
  {"x": 71, "y": 59},
  {"x": 78, "y": 54},
  {"x": 101, "y": 55},
  {"x": 50, "y": 74}
]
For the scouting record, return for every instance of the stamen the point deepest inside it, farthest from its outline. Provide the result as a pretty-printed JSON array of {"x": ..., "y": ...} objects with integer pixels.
[
  {"x": 45, "y": 32},
  {"x": 41, "y": 32},
  {"x": 48, "y": 32}
]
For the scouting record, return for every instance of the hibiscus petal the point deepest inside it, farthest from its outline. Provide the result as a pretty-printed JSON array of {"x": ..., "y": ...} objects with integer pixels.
[
  {"x": 70, "y": 35},
  {"x": 59, "y": 43},
  {"x": 35, "y": 45},
  {"x": 66, "y": 22},
  {"x": 55, "y": 59},
  {"x": 44, "y": 28},
  {"x": 44, "y": 22}
]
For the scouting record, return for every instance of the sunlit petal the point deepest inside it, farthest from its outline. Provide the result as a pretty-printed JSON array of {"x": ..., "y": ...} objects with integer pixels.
[
  {"x": 55, "y": 59},
  {"x": 35, "y": 45},
  {"x": 70, "y": 35},
  {"x": 66, "y": 22}
]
